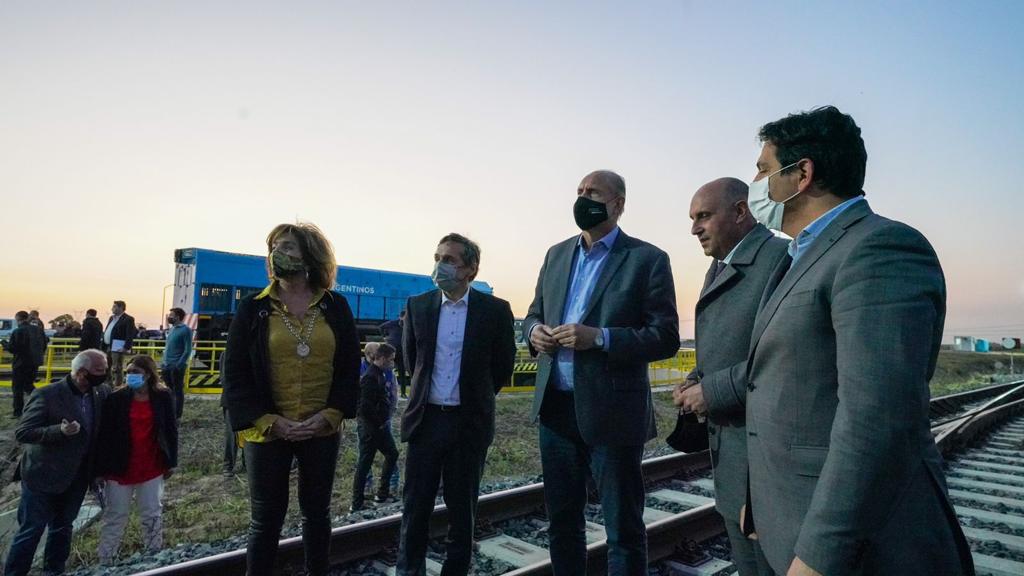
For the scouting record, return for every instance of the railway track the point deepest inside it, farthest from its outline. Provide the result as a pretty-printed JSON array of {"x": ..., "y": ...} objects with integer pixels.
[{"x": 986, "y": 481}]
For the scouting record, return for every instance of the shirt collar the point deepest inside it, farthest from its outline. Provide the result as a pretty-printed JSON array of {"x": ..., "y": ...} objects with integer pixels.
[
  {"x": 608, "y": 240},
  {"x": 814, "y": 229},
  {"x": 271, "y": 291},
  {"x": 728, "y": 257},
  {"x": 464, "y": 300}
]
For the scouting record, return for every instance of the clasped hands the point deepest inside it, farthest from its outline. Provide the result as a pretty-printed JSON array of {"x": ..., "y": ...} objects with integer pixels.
[
  {"x": 294, "y": 431},
  {"x": 572, "y": 336},
  {"x": 689, "y": 397}
]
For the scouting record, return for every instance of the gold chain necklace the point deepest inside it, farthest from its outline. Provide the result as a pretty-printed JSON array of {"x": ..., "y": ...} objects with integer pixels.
[{"x": 302, "y": 349}]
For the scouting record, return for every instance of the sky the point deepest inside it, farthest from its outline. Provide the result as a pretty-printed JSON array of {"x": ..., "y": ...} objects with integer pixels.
[{"x": 130, "y": 129}]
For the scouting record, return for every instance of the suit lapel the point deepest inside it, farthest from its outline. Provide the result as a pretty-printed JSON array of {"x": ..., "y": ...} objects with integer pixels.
[
  {"x": 616, "y": 257},
  {"x": 561, "y": 268},
  {"x": 717, "y": 283},
  {"x": 828, "y": 238},
  {"x": 709, "y": 277},
  {"x": 471, "y": 336}
]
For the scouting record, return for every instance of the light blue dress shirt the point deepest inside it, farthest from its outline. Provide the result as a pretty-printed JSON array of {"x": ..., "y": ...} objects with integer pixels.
[
  {"x": 806, "y": 237},
  {"x": 451, "y": 333},
  {"x": 586, "y": 269}
]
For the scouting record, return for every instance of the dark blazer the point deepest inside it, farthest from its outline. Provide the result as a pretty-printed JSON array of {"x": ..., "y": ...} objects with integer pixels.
[
  {"x": 247, "y": 394},
  {"x": 844, "y": 472},
  {"x": 488, "y": 358},
  {"x": 115, "y": 433},
  {"x": 92, "y": 334},
  {"x": 635, "y": 299},
  {"x": 374, "y": 406},
  {"x": 123, "y": 330},
  {"x": 51, "y": 461},
  {"x": 725, "y": 318}
]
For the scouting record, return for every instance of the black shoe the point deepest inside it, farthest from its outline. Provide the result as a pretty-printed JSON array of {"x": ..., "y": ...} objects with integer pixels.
[
  {"x": 381, "y": 498},
  {"x": 356, "y": 507}
]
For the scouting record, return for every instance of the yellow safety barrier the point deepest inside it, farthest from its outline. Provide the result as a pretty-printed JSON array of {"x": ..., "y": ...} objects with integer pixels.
[{"x": 203, "y": 374}]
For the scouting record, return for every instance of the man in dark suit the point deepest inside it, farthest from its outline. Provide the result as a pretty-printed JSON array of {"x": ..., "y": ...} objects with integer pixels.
[
  {"x": 58, "y": 431},
  {"x": 117, "y": 340},
  {"x": 92, "y": 332},
  {"x": 845, "y": 477},
  {"x": 459, "y": 344},
  {"x": 744, "y": 255},
  {"x": 604, "y": 307},
  {"x": 28, "y": 346}
]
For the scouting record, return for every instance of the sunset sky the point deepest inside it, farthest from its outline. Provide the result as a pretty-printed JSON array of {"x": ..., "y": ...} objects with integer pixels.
[{"x": 129, "y": 129}]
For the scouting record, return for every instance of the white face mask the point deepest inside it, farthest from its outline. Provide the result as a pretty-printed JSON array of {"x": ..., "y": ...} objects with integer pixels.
[{"x": 762, "y": 207}]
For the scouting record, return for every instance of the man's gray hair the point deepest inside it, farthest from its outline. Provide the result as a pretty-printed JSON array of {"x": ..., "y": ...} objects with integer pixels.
[{"x": 86, "y": 359}]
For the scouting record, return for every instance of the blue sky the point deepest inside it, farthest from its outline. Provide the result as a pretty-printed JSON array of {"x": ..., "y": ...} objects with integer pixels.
[{"x": 132, "y": 129}]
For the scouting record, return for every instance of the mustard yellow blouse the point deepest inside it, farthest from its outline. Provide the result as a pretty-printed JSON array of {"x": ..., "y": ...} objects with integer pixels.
[{"x": 300, "y": 386}]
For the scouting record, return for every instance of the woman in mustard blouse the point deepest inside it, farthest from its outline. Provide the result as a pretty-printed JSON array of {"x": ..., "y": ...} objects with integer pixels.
[{"x": 291, "y": 375}]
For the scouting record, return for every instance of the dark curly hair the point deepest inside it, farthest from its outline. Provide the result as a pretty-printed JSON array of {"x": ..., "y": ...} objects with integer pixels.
[{"x": 828, "y": 138}]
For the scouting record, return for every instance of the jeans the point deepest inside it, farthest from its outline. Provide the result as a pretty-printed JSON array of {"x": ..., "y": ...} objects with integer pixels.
[
  {"x": 269, "y": 464},
  {"x": 174, "y": 377},
  {"x": 440, "y": 449},
  {"x": 115, "y": 515},
  {"x": 396, "y": 474},
  {"x": 23, "y": 382},
  {"x": 371, "y": 440},
  {"x": 566, "y": 459},
  {"x": 40, "y": 511}
]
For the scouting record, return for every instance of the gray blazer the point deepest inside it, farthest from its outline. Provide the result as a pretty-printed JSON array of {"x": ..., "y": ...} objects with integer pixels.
[
  {"x": 844, "y": 472},
  {"x": 51, "y": 460},
  {"x": 725, "y": 319},
  {"x": 635, "y": 299}
]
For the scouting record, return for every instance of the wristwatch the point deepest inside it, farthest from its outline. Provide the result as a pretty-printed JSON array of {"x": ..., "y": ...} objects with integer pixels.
[{"x": 599, "y": 339}]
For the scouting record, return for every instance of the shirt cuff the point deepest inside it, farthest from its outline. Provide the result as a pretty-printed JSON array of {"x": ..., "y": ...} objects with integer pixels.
[
  {"x": 607, "y": 339},
  {"x": 264, "y": 423},
  {"x": 334, "y": 416}
]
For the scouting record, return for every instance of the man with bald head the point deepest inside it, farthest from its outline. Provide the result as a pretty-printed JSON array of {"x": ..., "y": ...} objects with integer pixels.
[
  {"x": 604, "y": 307},
  {"x": 744, "y": 254}
]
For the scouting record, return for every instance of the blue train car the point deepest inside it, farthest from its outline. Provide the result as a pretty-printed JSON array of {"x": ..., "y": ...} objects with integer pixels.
[{"x": 209, "y": 284}]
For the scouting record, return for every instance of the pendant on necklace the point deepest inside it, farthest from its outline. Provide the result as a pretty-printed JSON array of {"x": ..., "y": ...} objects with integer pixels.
[{"x": 302, "y": 349}]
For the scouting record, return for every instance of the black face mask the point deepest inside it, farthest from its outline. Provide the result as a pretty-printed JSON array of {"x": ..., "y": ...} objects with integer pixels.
[
  {"x": 589, "y": 213},
  {"x": 95, "y": 380}
]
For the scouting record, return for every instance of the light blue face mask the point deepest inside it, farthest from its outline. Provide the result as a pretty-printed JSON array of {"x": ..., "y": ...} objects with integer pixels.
[
  {"x": 135, "y": 381},
  {"x": 762, "y": 207}
]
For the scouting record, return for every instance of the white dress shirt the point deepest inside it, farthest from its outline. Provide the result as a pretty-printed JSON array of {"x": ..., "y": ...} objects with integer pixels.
[
  {"x": 451, "y": 332},
  {"x": 110, "y": 328}
]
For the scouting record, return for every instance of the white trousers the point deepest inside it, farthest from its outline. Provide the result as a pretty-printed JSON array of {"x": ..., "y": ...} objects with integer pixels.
[{"x": 115, "y": 516}]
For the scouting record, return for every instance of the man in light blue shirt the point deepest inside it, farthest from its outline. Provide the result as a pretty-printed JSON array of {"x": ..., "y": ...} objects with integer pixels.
[
  {"x": 177, "y": 353},
  {"x": 806, "y": 237}
]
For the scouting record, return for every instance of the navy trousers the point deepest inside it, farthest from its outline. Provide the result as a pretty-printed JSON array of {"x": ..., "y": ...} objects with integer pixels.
[
  {"x": 39, "y": 511},
  {"x": 567, "y": 460}
]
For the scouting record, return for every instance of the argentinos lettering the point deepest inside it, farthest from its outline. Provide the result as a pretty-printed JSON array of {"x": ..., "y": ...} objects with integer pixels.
[{"x": 353, "y": 289}]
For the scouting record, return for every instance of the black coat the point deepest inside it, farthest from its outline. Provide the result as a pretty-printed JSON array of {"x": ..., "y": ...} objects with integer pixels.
[
  {"x": 374, "y": 405},
  {"x": 92, "y": 334},
  {"x": 247, "y": 394},
  {"x": 488, "y": 359},
  {"x": 123, "y": 330},
  {"x": 115, "y": 431}
]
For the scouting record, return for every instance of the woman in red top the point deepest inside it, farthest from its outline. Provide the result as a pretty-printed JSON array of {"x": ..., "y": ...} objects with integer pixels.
[{"x": 139, "y": 450}]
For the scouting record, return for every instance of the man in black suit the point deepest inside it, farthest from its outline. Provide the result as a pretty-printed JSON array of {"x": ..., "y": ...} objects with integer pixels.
[
  {"x": 92, "y": 332},
  {"x": 459, "y": 344},
  {"x": 604, "y": 307},
  {"x": 744, "y": 255},
  {"x": 28, "y": 346},
  {"x": 117, "y": 340}
]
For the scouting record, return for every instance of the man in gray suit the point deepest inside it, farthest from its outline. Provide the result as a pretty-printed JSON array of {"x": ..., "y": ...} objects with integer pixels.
[
  {"x": 845, "y": 477},
  {"x": 58, "y": 430},
  {"x": 745, "y": 254},
  {"x": 604, "y": 307}
]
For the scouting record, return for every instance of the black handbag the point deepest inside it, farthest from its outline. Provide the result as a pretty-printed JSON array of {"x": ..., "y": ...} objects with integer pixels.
[{"x": 690, "y": 435}]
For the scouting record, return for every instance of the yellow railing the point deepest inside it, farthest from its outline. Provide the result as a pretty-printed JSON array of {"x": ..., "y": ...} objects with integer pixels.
[{"x": 203, "y": 374}]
